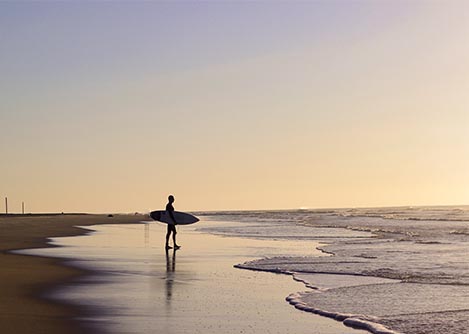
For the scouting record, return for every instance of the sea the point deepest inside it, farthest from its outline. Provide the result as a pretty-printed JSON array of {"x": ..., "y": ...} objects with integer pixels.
[
  {"x": 382, "y": 270},
  {"x": 422, "y": 251}
]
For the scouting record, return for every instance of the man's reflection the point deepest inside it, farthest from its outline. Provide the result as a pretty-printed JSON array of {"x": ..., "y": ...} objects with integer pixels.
[{"x": 170, "y": 269}]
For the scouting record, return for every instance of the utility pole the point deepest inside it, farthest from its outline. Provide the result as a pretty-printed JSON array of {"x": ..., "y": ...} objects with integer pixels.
[{"x": 6, "y": 205}]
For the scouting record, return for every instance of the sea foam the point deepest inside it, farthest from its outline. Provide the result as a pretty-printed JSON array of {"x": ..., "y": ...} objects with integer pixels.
[{"x": 351, "y": 320}]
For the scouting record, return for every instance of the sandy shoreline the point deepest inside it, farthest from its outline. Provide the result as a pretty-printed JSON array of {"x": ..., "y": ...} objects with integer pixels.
[
  {"x": 24, "y": 278},
  {"x": 135, "y": 286}
]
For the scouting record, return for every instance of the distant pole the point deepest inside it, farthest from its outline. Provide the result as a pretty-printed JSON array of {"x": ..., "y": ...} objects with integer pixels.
[
  {"x": 22, "y": 206},
  {"x": 6, "y": 205}
]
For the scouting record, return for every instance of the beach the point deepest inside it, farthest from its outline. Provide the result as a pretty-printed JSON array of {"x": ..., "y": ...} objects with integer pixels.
[
  {"x": 135, "y": 286},
  {"x": 379, "y": 270},
  {"x": 24, "y": 279}
]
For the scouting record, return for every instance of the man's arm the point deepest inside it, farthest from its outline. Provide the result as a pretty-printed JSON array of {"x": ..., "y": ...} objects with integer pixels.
[{"x": 171, "y": 214}]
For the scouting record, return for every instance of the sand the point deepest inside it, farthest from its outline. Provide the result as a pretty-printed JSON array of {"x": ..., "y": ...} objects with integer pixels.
[
  {"x": 38, "y": 291},
  {"x": 135, "y": 287},
  {"x": 24, "y": 278}
]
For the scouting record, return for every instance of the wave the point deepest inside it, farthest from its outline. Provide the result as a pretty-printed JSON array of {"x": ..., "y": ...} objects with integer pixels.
[
  {"x": 352, "y": 266},
  {"x": 435, "y": 213},
  {"x": 460, "y": 232},
  {"x": 308, "y": 216},
  {"x": 358, "y": 321},
  {"x": 400, "y": 217}
]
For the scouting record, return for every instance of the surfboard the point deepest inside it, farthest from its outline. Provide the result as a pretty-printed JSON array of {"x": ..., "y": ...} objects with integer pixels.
[{"x": 182, "y": 218}]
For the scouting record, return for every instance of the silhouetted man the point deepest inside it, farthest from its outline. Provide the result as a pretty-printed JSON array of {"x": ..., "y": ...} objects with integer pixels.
[{"x": 171, "y": 226}]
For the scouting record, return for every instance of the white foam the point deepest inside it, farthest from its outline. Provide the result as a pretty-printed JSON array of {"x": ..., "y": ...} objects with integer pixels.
[{"x": 351, "y": 320}]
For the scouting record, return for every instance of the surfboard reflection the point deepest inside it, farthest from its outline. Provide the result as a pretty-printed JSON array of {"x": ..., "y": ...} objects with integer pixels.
[
  {"x": 170, "y": 270},
  {"x": 146, "y": 234}
]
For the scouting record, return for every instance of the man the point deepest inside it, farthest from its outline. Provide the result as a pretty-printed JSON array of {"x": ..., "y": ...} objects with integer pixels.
[{"x": 171, "y": 226}]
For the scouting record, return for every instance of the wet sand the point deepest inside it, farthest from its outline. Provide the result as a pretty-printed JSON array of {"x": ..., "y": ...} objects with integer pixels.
[
  {"x": 137, "y": 288},
  {"x": 25, "y": 278}
]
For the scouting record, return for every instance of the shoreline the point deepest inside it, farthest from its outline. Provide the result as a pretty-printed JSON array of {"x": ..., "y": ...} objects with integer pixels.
[
  {"x": 153, "y": 281},
  {"x": 349, "y": 320},
  {"x": 26, "y": 279}
]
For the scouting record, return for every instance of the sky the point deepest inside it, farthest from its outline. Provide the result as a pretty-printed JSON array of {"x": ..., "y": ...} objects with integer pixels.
[{"x": 112, "y": 106}]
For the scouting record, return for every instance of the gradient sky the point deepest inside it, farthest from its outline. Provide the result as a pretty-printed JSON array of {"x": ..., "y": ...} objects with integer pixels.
[{"x": 271, "y": 105}]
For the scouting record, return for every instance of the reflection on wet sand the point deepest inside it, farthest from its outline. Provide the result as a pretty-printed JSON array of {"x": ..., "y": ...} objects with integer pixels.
[
  {"x": 146, "y": 235},
  {"x": 170, "y": 273},
  {"x": 205, "y": 295}
]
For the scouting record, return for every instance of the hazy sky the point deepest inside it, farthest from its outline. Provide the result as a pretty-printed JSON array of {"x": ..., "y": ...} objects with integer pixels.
[{"x": 241, "y": 105}]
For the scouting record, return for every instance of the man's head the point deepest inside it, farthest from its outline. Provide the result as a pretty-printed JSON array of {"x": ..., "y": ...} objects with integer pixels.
[{"x": 171, "y": 198}]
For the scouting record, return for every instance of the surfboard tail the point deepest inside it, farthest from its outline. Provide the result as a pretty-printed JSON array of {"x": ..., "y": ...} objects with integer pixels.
[{"x": 156, "y": 215}]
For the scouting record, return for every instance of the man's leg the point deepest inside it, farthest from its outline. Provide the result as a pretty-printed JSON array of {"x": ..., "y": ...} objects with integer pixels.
[
  {"x": 168, "y": 233},
  {"x": 174, "y": 238}
]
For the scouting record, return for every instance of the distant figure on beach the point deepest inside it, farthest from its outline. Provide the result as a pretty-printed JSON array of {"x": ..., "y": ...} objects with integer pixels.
[{"x": 171, "y": 226}]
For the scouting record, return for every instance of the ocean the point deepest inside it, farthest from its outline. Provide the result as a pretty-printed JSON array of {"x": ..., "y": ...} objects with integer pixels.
[
  {"x": 423, "y": 251},
  {"x": 386, "y": 270}
]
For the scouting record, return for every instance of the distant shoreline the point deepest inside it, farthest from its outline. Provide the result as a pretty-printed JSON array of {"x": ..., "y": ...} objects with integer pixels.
[{"x": 2, "y": 215}]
